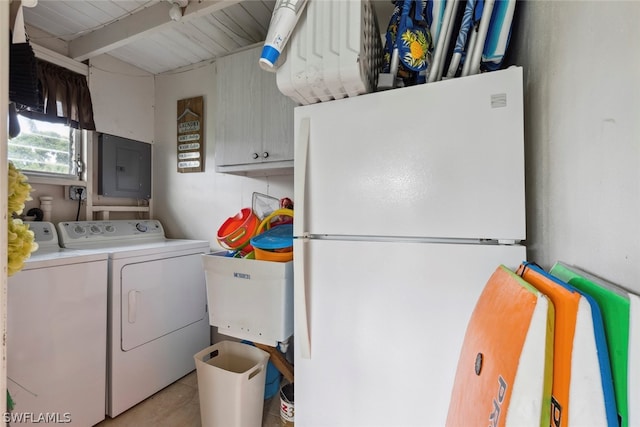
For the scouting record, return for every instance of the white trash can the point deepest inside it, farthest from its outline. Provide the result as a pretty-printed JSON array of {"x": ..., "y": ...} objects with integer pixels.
[{"x": 231, "y": 379}]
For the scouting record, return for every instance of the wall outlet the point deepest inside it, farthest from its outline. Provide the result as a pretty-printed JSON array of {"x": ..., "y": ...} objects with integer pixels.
[{"x": 77, "y": 192}]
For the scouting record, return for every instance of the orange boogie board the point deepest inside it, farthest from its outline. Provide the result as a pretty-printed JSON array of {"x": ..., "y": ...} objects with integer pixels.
[
  {"x": 504, "y": 371},
  {"x": 582, "y": 391}
]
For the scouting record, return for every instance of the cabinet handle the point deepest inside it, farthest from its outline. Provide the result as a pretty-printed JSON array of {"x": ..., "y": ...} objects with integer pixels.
[
  {"x": 255, "y": 156},
  {"x": 265, "y": 155}
]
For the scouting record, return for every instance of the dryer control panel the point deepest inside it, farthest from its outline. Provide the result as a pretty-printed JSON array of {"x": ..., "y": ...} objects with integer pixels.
[{"x": 99, "y": 233}]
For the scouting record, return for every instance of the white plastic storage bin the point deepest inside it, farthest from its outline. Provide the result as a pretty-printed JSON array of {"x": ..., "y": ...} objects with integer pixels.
[
  {"x": 231, "y": 379},
  {"x": 335, "y": 51},
  {"x": 250, "y": 299}
]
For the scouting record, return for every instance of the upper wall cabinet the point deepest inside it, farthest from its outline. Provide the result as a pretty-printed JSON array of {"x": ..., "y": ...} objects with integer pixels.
[{"x": 254, "y": 121}]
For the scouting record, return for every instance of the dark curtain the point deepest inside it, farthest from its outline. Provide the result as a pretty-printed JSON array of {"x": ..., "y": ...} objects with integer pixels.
[
  {"x": 65, "y": 96},
  {"x": 62, "y": 96}
]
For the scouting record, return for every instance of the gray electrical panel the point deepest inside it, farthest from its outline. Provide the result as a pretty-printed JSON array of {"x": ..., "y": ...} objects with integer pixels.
[{"x": 124, "y": 167}]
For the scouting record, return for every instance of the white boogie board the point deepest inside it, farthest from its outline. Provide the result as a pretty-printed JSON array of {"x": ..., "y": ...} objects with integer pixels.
[{"x": 582, "y": 392}]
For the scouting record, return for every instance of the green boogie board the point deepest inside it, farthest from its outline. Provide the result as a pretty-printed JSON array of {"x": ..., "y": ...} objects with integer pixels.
[{"x": 615, "y": 307}]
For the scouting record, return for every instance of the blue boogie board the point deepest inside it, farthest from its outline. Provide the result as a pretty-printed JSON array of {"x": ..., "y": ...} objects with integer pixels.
[{"x": 582, "y": 391}]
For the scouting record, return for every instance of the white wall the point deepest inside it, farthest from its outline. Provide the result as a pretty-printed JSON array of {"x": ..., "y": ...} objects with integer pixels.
[
  {"x": 123, "y": 98},
  {"x": 582, "y": 95},
  {"x": 194, "y": 205},
  {"x": 582, "y": 138},
  {"x": 132, "y": 103},
  {"x": 123, "y": 105},
  {"x": 62, "y": 209}
]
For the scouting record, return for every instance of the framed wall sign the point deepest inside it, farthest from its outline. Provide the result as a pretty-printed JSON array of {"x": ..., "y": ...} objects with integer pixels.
[{"x": 190, "y": 135}]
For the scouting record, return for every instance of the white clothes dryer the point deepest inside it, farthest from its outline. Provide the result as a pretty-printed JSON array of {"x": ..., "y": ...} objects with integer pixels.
[
  {"x": 56, "y": 334},
  {"x": 157, "y": 313}
]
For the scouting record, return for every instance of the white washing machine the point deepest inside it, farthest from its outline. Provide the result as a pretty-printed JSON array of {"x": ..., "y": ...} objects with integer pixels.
[
  {"x": 56, "y": 334},
  {"x": 157, "y": 313}
]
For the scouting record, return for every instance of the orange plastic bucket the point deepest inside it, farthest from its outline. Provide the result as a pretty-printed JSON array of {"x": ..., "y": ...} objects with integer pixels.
[
  {"x": 266, "y": 255},
  {"x": 236, "y": 232},
  {"x": 273, "y": 251}
]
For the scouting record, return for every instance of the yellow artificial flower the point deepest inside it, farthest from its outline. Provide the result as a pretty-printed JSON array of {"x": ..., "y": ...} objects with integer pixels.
[
  {"x": 18, "y": 191},
  {"x": 20, "y": 240},
  {"x": 20, "y": 245}
]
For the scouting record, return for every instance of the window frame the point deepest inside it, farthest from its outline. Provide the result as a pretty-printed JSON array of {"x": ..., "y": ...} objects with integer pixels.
[
  {"x": 57, "y": 58},
  {"x": 77, "y": 143}
]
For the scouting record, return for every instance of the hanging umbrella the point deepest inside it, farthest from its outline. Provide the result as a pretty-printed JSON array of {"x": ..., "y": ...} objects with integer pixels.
[
  {"x": 23, "y": 75},
  {"x": 14, "y": 124},
  {"x": 483, "y": 11},
  {"x": 408, "y": 45},
  {"x": 435, "y": 16},
  {"x": 23, "y": 72},
  {"x": 442, "y": 44},
  {"x": 498, "y": 35},
  {"x": 483, "y": 37},
  {"x": 461, "y": 41}
]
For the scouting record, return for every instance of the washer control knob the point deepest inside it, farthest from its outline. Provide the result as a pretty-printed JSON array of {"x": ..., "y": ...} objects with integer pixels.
[
  {"x": 78, "y": 229},
  {"x": 109, "y": 228},
  {"x": 95, "y": 229},
  {"x": 141, "y": 227}
]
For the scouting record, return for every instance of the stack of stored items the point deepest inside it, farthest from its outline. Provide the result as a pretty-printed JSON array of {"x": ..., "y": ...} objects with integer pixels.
[
  {"x": 257, "y": 232},
  {"x": 568, "y": 357},
  {"x": 418, "y": 46},
  {"x": 249, "y": 296},
  {"x": 334, "y": 52}
]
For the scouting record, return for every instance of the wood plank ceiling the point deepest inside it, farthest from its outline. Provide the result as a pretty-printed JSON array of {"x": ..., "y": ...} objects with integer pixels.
[{"x": 141, "y": 32}]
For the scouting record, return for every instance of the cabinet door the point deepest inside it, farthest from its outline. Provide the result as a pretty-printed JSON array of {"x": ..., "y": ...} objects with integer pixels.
[
  {"x": 238, "y": 116},
  {"x": 254, "y": 121},
  {"x": 277, "y": 117}
]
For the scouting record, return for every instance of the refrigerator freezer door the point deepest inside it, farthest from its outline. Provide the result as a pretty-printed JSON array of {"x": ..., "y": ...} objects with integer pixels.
[
  {"x": 439, "y": 160},
  {"x": 386, "y": 323}
]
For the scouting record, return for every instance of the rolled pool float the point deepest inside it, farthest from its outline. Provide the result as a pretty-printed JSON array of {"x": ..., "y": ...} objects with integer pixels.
[{"x": 283, "y": 20}]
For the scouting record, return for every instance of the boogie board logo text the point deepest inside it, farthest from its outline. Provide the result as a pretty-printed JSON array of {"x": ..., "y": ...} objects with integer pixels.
[
  {"x": 494, "y": 417},
  {"x": 556, "y": 412}
]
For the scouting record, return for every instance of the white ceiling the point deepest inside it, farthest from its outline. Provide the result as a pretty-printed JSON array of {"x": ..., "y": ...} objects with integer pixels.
[{"x": 141, "y": 33}]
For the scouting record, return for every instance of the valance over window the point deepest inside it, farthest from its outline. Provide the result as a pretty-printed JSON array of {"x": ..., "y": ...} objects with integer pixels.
[
  {"x": 60, "y": 95},
  {"x": 43, "y": 90},
  {"x": 65, "y": 96}
]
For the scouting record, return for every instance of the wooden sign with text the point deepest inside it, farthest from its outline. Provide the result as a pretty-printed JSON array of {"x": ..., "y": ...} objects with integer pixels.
[{"x": 190, "y": 135}]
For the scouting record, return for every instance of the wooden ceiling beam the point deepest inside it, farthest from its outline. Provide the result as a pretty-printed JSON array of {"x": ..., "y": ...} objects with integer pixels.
[{"x": 140, "y": 24}]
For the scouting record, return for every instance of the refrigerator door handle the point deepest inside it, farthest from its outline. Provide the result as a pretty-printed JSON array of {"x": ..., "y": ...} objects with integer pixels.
[
  {"x": 299, "y": 286},
  {"x": 300, "y": 176},
  {"x": 301, "y": 319}
]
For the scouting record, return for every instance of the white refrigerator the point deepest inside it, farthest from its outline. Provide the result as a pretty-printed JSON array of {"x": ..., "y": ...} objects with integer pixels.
[{"x": 406, "y": 202}]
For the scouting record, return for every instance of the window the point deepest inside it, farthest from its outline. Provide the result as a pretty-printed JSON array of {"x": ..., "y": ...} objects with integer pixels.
[{"x": 46, "y": 148}]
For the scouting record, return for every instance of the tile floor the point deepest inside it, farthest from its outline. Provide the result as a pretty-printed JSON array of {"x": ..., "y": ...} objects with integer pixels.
[{"x": 178, "y": 405}]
